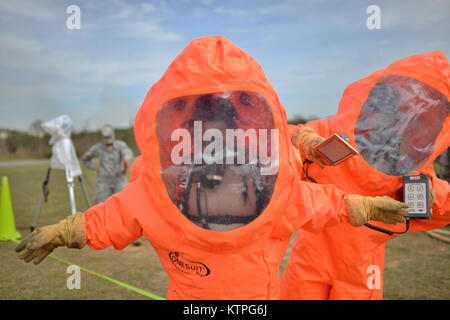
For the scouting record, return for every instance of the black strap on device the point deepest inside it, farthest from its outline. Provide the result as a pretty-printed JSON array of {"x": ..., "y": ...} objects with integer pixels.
[{"x": 306, "y": 164}]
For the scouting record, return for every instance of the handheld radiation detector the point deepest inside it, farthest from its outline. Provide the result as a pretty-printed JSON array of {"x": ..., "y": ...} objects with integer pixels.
[
  {"x": 416, "y": 195},
  {"x": 335, "y": 149}
]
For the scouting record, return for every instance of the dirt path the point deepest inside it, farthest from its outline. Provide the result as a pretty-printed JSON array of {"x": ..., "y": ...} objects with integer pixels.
[{"x": 20, "y": 163}]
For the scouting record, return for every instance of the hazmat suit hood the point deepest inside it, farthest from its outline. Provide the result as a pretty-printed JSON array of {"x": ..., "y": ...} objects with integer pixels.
[
  {"x": 206, "y": 65},
  {"x": 229, "y": 83},
  {"x": 397, "y": 118}
]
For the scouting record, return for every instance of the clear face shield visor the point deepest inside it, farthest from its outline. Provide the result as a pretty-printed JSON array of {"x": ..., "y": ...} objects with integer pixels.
[
  {"x": 398, "y": 125},
  {"x": 218, "y": 157}
]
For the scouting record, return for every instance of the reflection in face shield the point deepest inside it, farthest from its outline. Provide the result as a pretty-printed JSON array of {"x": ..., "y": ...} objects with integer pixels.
[
  {"x": 215, "y": 174},
  {"x": 399, "y": 123},
  {"x": 214, "y": 109}
]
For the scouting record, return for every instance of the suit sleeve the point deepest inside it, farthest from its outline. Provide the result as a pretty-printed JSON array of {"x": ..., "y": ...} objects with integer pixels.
[
  {"x": 316, "y": 206},
  {"x": 113, "y": 222}
]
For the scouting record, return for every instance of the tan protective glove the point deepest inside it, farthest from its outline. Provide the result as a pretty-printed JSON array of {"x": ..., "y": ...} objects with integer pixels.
[
  {"x": 385, "y": 209},
  {"x": 305, "y": 140},
  {"x": 70, "y": 232}
]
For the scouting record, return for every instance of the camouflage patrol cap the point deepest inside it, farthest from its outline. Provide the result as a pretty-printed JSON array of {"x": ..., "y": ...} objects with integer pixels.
[{"x": 107, "y": 134}]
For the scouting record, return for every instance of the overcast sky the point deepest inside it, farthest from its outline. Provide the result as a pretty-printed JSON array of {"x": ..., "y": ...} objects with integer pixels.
[{"x": 310, "y": 50}]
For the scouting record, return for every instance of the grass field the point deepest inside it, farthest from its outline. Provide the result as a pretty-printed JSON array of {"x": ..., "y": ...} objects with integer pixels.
[{"x": 416, "y": 264}]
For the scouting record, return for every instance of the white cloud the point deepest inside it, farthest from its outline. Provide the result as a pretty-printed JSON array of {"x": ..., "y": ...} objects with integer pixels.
[
  {"x": 207, "y": 2},
  {"x": 136, "y": 21},
  {"x": 414, "y": 14},
  {"x": 149, "y": 30},
  {"x": 148, "y": 7},
  {"x": 32, "y": 10},
  {"x": 230, "y": 12},
  {"x": 116, "y": 9},
  {"x": 15, "y": 43},
  {"x": 273, "y": 8}
]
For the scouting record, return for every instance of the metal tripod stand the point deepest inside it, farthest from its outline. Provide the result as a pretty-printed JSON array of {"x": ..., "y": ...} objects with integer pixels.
[{"x": 70, "y": 185}]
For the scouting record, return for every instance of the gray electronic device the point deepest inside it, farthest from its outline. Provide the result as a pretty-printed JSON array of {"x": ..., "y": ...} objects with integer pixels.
[{"x": 416, "y": 195}]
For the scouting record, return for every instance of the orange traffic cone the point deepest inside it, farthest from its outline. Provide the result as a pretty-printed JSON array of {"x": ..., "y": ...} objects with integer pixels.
[{"x": 7, "y": 226}]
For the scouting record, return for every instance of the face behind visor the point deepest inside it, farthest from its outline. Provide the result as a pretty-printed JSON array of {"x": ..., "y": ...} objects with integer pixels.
[{"x": 213, "y": 152}]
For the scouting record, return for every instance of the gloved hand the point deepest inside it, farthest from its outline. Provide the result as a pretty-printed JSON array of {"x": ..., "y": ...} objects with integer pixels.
[
  {"x": 385, "y": 209},
  {"x": 70, "y": 232},
  {"x": 305, "y": 140}
]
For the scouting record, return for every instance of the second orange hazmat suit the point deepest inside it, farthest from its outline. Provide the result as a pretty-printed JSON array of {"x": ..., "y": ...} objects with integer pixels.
[
  {"x": 242, "y": 263},
  {"x": 339, "y": 263}
]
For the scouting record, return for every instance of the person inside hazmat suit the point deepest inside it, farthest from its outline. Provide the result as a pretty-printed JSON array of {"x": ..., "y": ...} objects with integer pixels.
[
  {"x": 217, "y": 193},
  {"x": 398, "y": 118},
  {"x": 231, "y": 186}
]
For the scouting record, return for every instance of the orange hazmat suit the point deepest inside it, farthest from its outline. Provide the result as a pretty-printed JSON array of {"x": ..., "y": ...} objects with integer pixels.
[
  {"x": 398, "y": 119},
  {"x": 166, "y": 200}
]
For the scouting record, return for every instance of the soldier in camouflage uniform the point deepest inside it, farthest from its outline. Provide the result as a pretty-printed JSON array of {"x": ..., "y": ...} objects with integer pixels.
[{"x": 115, "y": 157}]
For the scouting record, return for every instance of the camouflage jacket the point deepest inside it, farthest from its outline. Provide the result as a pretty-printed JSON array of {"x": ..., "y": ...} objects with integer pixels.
[{"x": 110, "y": 158}]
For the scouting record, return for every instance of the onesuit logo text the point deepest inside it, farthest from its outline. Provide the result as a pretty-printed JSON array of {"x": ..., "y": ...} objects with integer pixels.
[{"x": 190, "y": 267}]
